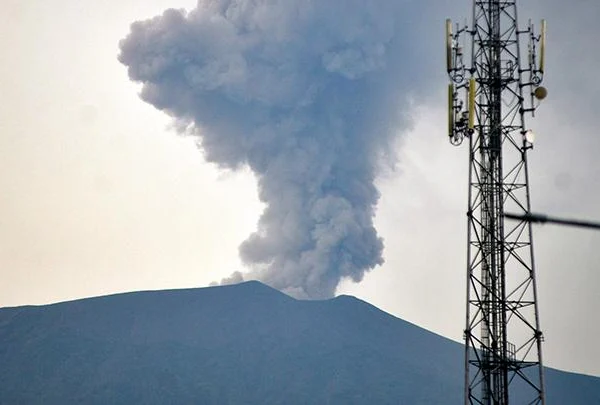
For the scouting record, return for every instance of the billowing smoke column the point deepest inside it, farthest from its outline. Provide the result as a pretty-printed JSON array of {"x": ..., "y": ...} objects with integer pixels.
[{"x": 309, "y": 95}]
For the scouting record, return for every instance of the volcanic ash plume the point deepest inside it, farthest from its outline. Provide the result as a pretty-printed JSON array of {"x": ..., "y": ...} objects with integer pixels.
[{"x": 309, "y": 95}]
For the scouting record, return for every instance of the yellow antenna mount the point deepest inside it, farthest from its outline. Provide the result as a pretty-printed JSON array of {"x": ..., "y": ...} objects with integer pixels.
[
  {"x": 449, "y": 64},
  {"x": 543, "y": 47}
]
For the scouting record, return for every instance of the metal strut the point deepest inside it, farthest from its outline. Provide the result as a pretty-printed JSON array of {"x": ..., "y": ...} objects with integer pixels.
[
  {"x": 542, "y": 219},
  {"x": 503, "y": 357}
]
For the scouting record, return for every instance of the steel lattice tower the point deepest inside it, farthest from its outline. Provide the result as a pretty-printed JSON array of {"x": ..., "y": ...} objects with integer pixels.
[{"x": 501, "y": 87}]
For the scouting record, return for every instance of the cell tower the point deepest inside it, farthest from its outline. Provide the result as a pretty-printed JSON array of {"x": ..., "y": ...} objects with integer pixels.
[{"x": 489, "y": 98}]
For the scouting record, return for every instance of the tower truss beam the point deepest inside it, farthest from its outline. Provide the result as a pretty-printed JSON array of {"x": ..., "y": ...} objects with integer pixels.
[{"x": 503, "y": 339}]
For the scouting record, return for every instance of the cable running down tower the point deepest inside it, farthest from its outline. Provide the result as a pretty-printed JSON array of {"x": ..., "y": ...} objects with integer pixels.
[{"x": 495, "y": 86}]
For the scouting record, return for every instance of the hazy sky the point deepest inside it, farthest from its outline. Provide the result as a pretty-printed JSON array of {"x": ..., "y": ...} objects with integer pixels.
[{"x": 100, "y": 196}]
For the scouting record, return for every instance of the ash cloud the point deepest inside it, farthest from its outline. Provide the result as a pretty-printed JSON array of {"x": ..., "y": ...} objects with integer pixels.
[{"x": 310, "y": 95}]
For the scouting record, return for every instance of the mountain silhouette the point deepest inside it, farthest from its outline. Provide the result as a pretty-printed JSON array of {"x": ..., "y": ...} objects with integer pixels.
[{"x": 238, "y": 344}]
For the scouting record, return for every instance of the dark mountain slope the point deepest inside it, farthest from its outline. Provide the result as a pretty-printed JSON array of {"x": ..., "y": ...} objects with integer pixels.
[{"x": 242, "y": 344}]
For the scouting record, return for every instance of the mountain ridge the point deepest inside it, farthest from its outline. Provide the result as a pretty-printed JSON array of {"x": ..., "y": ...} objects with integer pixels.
[{"x": 238, "y": 344}]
